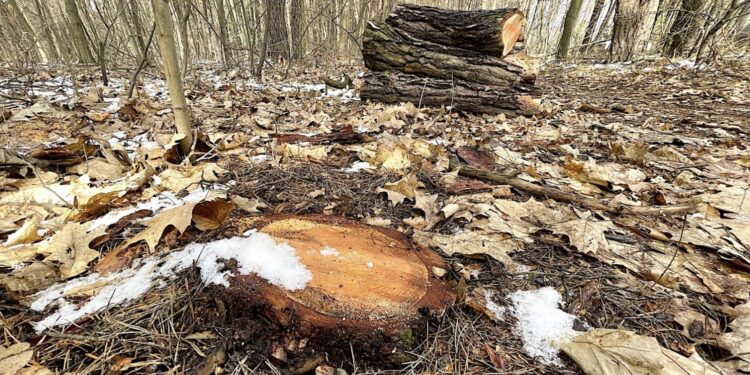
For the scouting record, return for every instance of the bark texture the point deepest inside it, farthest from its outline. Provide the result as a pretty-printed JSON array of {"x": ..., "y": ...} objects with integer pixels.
[
  {"x": 634, "y": 21},
  {"x": 395, "y": 87},
  {"x": 78, "y": 33},
  {"x": 386, "y": 48},
  {"x": 295, "y": 28},
  {"x": 168, "y": 48},
  {"x": 492, "y": 32},
  {"x": 278, "y": 38}
]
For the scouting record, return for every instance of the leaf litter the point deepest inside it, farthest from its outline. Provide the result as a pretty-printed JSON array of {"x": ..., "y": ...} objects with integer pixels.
[{"x": 633, "y": 221}]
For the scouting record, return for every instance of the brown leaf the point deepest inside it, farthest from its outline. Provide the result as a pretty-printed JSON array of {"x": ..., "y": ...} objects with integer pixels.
[
  {"x": 497, "y": 360},
  {"x": 14, "y": 358}
]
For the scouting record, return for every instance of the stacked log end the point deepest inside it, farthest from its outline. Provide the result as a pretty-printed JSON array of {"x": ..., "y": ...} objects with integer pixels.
[{"x": 436, "y": 57}]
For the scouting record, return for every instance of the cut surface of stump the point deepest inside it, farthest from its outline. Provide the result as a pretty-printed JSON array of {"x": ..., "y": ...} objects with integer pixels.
[{"x": 370, "y": 287}]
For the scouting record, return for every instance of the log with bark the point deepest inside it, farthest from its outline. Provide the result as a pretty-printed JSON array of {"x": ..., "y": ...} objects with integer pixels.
[
  {"x": 372, "y": 291},
  {"x": 469, "y": 60},
  {"x": 386, "y": 48},
  {"x": 396, "y": 87},
  {"x": 491, "y": 32}
]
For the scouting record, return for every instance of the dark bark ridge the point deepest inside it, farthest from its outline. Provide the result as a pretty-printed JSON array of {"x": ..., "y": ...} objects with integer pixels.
[{"x": 480, "y": 31}]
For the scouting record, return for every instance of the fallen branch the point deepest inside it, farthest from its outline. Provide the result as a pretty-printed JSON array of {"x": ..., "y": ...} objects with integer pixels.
[{"x": 561, "y": 196}]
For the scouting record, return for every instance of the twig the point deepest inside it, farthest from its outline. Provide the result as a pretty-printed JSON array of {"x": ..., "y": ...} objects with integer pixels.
[
  {"x": 134, "y": 79},
  {"x": 70, "y": 336},
  {"x": 676, "y": 250},
  {"x": 561, "y": 196},
  {"x": 44, "y": 184}
]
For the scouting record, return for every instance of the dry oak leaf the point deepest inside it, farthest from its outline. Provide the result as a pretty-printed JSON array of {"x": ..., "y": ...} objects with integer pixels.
[
  {"x": 585, "y": 234},
  {"x": 402, "y": 189},
  {"x": 495, "y": 245},
  {"x": 14, "y": 358},
  {"x": 205, "y": 215},
  {"x": 613, "y": 352},
  {"x": 737, "y": 341}
]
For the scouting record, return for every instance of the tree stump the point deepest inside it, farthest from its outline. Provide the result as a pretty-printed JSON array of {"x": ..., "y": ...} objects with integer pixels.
[{"x": 371, "y": 288}]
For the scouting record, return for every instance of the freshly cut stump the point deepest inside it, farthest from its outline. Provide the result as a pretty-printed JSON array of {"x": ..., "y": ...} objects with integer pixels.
[{"x": 371, "y": 287}]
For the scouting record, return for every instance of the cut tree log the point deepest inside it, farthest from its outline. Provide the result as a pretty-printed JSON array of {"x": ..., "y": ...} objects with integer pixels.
[
  {"x": 371, "y": 288},
  {"x": 386, "y": 48},
  {"x": 395, "y": 87},
  {"x": 492, "y": 32}
]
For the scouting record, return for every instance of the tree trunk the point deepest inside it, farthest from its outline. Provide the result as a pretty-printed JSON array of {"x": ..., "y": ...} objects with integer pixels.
[
  {"x": 386, "y": 48},
  {"x": 183, "y": 16},
  {"x": 492, "y": 32},
  {"x": 685, "y": 30},
  {"x": 168, "y": 48},
  {"x": 44, "y": 53},
  {"x": 634, "y": 21},
  {"x": 226, "y": 53},
  {"x": 394, "y": 88},
  {"x": 295, "y": 26},
  {"x": 372, "y": 291},
  {"x": 278, "y": 39},
  {"x": 571, "y": 18},
  {"x": 77, "y": 33},
  {"x": 588, "y": 37}
]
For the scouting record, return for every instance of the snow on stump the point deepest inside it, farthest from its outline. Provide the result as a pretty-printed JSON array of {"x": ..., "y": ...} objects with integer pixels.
[{"x": 370, "y": 287}]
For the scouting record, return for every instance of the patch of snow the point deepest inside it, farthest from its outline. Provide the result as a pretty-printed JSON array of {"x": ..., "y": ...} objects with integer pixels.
[
  {"x": 541, "y": 323},
  {"x": 358, "y": 166},
  {"x": 114, "y": 104},
  {"x": 370, "y": 265},
  {"x": 326, "y": 252},
  {"x": 155, "y": 204},
  {"x": 496, "y": 309},
  {"x": 258, "y": 253}
]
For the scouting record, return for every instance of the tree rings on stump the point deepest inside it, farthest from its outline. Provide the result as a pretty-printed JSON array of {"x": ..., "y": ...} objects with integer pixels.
[{"x": 371, "y": 288}]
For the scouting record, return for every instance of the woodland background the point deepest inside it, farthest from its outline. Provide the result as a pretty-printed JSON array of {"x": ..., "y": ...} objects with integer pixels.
[{"x": 315, "y": 32}]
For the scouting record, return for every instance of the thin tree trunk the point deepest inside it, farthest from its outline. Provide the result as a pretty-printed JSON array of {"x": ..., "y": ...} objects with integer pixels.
[
  {"x": 168, "y": 48},
  {"x": 26, "y": 29},
  {"x": 295, "y": 25},
  {"x": 278, "y": 39},
  {"x": 634, "y": 21},
  {"x": 588, "y": 36},
  {"x": 226, "y": 53},
  {"x": 571, "y": 19},
  {"x": 183, "y": 16},
  {"x": 78, "y": 34}
]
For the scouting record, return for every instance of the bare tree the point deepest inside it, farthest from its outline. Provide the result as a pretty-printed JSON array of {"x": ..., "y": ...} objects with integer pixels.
[
  {"x": 78, "y": 34},
  {"x": 278, "y": 39},
  {"x": 168, "y": 48},
  {"x": 634, "y": 21},
  {"x": 295, "y": 28},
  {"x": 571, "y": 19}
]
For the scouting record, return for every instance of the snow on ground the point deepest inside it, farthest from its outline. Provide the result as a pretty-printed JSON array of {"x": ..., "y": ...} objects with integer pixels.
[
  {"x": 541, "y": 323},
  {"x": 258, "y": 253},
  {"x": 358, "y": 166},
  {"x": 496, "y": 309}
]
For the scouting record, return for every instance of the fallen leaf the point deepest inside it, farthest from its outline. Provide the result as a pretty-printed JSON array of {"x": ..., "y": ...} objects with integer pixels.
[
  {"x": 14, "y": 358},
  {"x": 495, "y": 245},
  {"x": 612, "y": 352}
]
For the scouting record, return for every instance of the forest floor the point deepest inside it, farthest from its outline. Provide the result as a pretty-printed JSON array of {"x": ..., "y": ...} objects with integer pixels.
[{"x": 87, "y": 176}]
